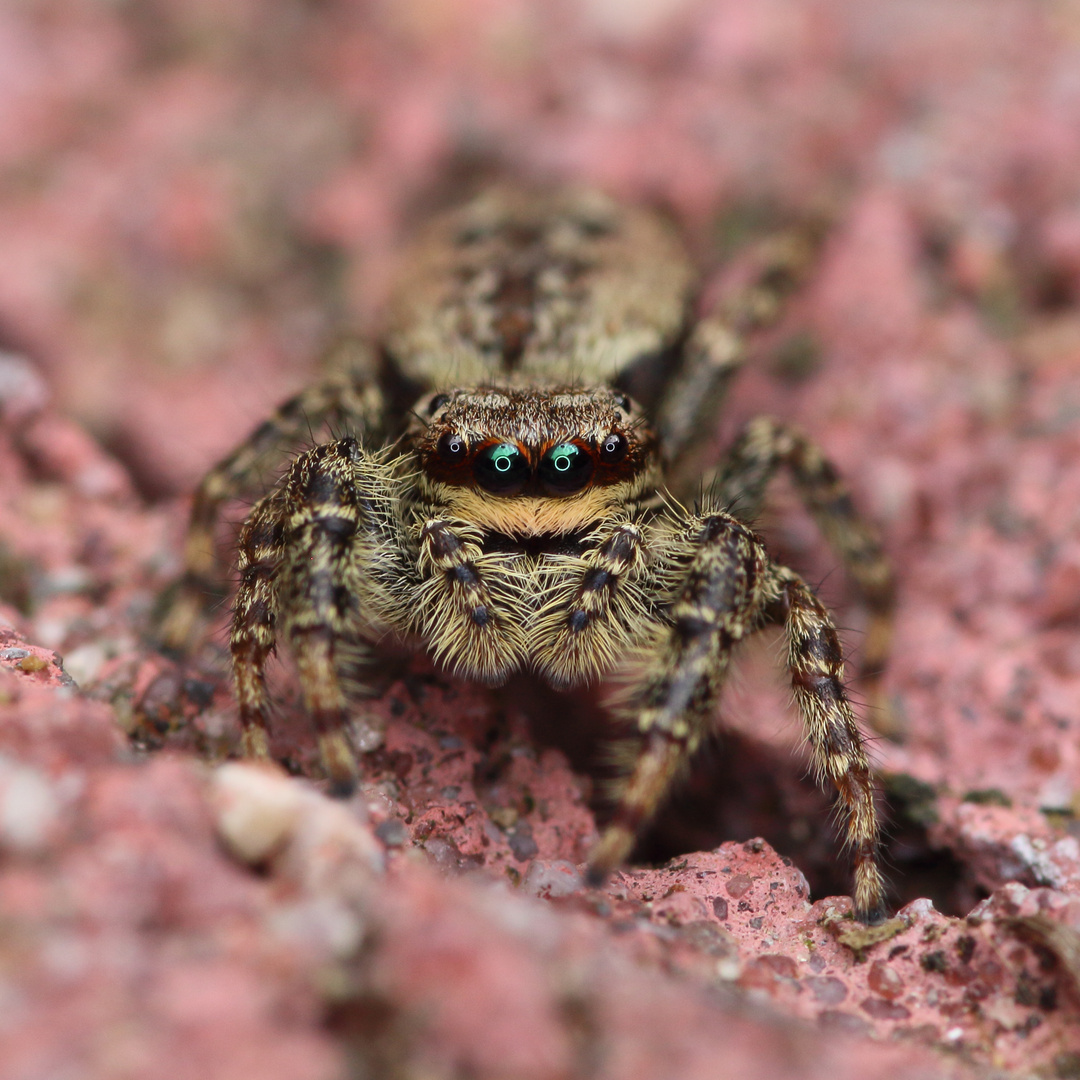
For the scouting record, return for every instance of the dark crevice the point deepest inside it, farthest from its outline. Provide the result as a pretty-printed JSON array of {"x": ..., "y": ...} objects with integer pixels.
[
  {"x": 738, "y": 788},
  {"x": 741, "y": 788}
]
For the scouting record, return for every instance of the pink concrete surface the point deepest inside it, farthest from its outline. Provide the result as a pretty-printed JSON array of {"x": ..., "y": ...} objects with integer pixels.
[{"x": 194, "y": 199}]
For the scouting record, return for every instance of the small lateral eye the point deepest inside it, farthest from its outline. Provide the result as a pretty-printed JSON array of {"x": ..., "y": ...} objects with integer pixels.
[
  {"x": 436, "y": 403},
  {"x": 452, "y": 448},
  {"x": 566, "y": 468},
  {"x": 613, "y": 449},
  {"x": 502, "y": 469}
]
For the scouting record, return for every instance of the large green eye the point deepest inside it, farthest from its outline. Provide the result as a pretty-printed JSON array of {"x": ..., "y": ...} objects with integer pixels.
[
  {"x": 502, "y": 469},
  {"x": 566, "y": 468}
]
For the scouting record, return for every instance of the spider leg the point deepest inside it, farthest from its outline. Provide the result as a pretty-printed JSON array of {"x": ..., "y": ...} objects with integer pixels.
[
  {"x": 319, "y": 567},
  {"x": 763, "y": 276},
  {"x": 255, "y": 619},
  {"x": 713, "y": 353},
  {"x": 729, "y": 589},
  {"x": 765, "y": 446},
  {"x": 672, "y": 692},
  {"x": 817, "y": 673},
  {"x": 348, "y": 397}
]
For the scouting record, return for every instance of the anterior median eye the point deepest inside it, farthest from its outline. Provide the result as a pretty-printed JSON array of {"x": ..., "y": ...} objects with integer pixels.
[
  {"x": 502, "y": 469},
  {"x": 566, "y": 468}
]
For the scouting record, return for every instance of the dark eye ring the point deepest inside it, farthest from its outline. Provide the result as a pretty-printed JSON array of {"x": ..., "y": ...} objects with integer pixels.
[
  {"x": 613, "y": 449},
  {"x": 452, "y": 447}
]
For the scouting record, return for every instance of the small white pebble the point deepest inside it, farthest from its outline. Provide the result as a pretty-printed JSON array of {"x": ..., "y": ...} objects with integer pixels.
[
  {"x": 367, "y": 733},
  {"x": 84, "y": 663},
  {"x": 29, "y": 807},
  {"x": 257, "y": 809},
  {"x": 923, "y": 908},
  {"x": 551, "y": 879}
]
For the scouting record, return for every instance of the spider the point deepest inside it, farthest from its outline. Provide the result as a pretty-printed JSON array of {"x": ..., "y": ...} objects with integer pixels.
[{"x": 513, "y": 495}]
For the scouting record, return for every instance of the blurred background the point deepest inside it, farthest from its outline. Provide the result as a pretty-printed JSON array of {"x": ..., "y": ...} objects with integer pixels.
[{"x": 195, "y": 196}]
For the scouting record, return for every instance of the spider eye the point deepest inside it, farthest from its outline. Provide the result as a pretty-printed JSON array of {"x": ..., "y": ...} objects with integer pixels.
[
  {"x": 452, "y": 448},
  {"x": 502, "y": 469},
  {"x": 566, "y": 468},
  {"x": 613, "y": 449}
]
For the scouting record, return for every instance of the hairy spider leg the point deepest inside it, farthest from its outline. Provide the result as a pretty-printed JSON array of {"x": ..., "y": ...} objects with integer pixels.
[
  {"x": 670, "y": 691},
  {"x": 730, "y": 589},
  {"x": 714, "y": 351},
  {"x": 319, "y": 567},
  {"x": 348, "y": 398},
  {"x": 739, "y": 484},
  {"x": 261, "y": 550},
  {"x": 816, "y": 662}
]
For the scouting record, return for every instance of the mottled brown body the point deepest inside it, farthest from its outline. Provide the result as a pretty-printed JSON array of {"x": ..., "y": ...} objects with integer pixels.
[{"x": 504, "y": 503}]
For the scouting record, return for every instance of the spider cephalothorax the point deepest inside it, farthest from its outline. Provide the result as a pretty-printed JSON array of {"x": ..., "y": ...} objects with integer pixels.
[{"x": 504, "y": 503}]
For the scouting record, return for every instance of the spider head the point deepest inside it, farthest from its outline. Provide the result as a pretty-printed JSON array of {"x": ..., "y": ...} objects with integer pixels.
[{"x": 529, "y": 461}]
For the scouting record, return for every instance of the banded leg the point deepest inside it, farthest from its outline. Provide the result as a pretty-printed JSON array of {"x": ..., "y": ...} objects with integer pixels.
[
  {"x": 674, "y": 696},
  {"x": 464, "y": 621},
  {"x": 764, "y": 447},
  {"x": 817, "y": 680},
  {"x": 319, "y": 566},
  {"x": 255, "y": 620},
  {"x": 348, "y": 398},
  {"x": 584, "y": 630},
  {"x": 324, "y": 587},
  {"x": 763, "y": 278}
]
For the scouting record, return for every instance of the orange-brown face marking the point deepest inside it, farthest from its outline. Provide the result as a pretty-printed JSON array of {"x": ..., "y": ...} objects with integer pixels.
[{"x": 536, "y": 443}]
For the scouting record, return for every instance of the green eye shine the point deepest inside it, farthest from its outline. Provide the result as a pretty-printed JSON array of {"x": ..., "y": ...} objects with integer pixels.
[
  {"x": 502, "y": 458},
  {"x": 563, "y": 457},
  {"x": 566, "y": 468},
  {"x": 502, "y": 469}
]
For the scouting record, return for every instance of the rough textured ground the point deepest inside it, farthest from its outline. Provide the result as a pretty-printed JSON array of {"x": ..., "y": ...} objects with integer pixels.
[{"x": 194, "y": 199}]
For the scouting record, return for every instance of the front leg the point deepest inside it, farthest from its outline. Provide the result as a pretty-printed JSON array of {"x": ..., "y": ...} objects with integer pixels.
[
  {"x": 323, "y": 565},
  {"x": 671, "y": 692},
  {"x": 729, "y": 589},
  {"x": 348, "y": 397},
  {"x": 817, "y": 681}
]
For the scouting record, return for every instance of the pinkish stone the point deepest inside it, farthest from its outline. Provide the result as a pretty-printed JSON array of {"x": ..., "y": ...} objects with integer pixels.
[{"x": 170, "y": 213}]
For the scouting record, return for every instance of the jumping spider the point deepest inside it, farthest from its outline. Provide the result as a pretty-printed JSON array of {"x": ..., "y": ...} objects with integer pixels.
[{"x": 510, "y": 497}]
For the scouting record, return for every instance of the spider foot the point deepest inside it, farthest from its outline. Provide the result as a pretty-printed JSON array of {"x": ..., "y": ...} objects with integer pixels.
[{"x": 340, "y": 764}]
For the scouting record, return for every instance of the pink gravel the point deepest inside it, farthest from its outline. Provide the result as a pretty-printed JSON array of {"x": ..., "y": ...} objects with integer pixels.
[{"x": 194, "y": 200}]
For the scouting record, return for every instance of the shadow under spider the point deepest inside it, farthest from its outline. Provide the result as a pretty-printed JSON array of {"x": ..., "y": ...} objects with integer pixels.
[{"x": 741, "y": 787}]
